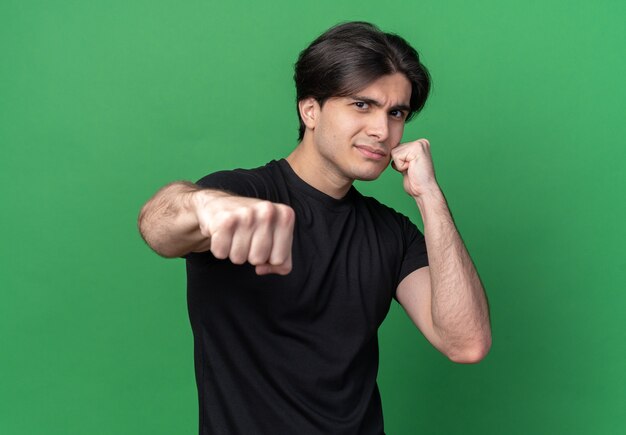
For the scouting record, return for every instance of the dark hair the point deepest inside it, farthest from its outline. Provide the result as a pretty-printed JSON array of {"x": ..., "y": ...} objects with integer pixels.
[{"x": 350, "y": 56}]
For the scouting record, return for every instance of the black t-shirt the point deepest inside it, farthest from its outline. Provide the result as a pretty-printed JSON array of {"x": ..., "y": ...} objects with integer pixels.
[{"x": 298, "y": 354}]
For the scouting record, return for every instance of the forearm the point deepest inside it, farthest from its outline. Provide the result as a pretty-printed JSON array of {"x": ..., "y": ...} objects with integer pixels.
[
  {"x": 168, "y": 221},
  {"x": 460, "y": 313}
]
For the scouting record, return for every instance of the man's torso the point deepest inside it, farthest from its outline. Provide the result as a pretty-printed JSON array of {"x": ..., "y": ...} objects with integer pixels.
[{"x": 299, "y": 353}]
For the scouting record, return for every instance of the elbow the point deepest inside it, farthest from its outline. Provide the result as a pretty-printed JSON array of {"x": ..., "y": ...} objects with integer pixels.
[
  {"x": 164, "y": 250},
  {"x": 148, "y": 235},
  {"x": 471, "y": 354}
]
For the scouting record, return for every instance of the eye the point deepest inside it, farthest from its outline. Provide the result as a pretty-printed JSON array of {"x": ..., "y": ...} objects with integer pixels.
[
  {"x": 397, "y": 114},
  {"x": 361, "y": 104}
]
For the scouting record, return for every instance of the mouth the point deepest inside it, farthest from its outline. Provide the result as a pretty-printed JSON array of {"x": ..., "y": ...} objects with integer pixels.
[{"x": 371, "y": 152}]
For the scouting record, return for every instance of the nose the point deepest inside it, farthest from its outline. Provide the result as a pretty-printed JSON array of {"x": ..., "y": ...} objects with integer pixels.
[{"x": 378, "y": 126}]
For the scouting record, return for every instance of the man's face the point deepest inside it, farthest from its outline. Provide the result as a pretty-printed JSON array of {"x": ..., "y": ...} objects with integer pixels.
[{"x": 354, "y": 135}]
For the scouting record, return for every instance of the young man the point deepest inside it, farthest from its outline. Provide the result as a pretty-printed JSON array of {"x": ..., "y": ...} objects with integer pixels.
[{"x": 291, "y": 271}]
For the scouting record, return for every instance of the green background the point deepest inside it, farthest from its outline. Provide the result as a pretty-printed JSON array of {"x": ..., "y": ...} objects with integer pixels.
[{"x": 101, "y": 103}]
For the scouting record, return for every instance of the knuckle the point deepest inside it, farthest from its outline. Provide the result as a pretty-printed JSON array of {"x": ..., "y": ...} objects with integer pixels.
[
  {"x": 265, "y": 210},
  {"x": 288, "y": 215},
  {"x": 225, "y": 221},
  {"x": 237, "y": 258},
  {"x": 245, "y": 216},
  {"x": 257, "y": 259},
  {"x": 219, "y": 252},
  {"x": 279, "y": 257}
]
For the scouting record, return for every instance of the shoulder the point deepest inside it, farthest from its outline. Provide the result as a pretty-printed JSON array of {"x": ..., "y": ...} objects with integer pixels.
[
  {"x": 389, "y": 220},
  {"x": 254, "y": 182},
  {"x": 215, "y": 179},
  {"x": 380, "y": 210}
]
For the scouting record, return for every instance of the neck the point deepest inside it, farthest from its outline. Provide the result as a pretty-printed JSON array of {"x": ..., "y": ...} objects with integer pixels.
[{"x": 318, "y": 171}]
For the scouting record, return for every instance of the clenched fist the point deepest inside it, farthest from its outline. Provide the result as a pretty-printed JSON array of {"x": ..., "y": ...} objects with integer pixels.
[
  {"x": 246, "y": 230},
  {"x": 414, "y": 162}
]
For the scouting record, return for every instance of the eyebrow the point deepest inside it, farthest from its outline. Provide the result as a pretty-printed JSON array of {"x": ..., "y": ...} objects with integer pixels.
[{"x": 377, "y": 103}]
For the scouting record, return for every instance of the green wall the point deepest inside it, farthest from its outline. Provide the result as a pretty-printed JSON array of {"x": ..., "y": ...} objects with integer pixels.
[{"x": 101, "y": 103}]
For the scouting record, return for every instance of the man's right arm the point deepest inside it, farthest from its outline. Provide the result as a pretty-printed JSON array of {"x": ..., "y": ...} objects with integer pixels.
[{"x": 183, "y": 217}]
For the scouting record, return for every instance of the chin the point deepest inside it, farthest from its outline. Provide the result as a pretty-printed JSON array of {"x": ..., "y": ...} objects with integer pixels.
[
  {"x": 371, "y": 171},
  {"x": 369, "y": 176}
]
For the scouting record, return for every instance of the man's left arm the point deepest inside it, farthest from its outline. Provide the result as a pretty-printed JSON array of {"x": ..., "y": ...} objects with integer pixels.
[{"x": 445, "y": 300}]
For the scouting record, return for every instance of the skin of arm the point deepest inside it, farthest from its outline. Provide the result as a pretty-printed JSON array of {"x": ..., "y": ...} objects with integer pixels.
[
  {"x": 445, "y": 300},
  {"x": 183, "y": 217}
]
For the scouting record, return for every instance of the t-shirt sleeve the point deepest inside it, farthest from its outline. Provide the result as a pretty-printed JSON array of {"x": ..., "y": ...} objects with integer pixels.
[{"x": 415, "y": 255}]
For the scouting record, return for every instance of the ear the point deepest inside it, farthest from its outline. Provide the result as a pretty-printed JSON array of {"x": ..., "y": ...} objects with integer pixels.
[{"x": 309, "y": 111}]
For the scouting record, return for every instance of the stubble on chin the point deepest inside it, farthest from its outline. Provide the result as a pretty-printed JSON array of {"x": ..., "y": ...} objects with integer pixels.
[{"x": 372, "y": 174}]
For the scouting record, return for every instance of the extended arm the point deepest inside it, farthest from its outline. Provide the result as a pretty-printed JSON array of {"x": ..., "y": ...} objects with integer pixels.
[
  {"x": 445, "y": 300},
  {"x": 183, "y": 217}
]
